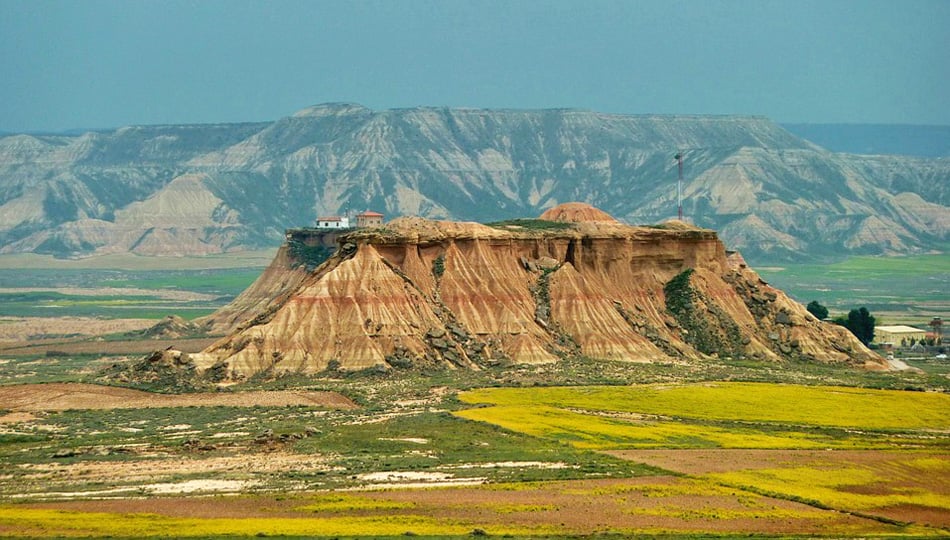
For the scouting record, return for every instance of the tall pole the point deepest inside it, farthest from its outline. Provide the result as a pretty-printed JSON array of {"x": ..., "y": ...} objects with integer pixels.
[{"x": 679, "y": 185}]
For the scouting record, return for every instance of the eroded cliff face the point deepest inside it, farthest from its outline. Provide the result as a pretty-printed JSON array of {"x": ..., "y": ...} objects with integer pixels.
[
  {"x": 201, "y": 189},
  {"x": 279, "y": 279},
  {"x": 301, "y": 252},
  {"x": 423, "y": 292}
]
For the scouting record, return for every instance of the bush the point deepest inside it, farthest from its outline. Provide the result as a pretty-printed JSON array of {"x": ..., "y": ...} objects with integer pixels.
[{"x": 818, "y": 310}]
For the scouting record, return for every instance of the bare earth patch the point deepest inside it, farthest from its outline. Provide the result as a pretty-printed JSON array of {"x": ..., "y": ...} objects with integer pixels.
[
  {"x": 83, "y": 345},
  {"x": 21, "y": 329},
  {"x": 16, "y": 418},
  {"x": 705, "y": 461},
  {"x": 896, "y": 476},
  {"x": 63, "y": 396},
  {"x": 142, "y": 472},
  {"x": 206, "y": 486},
  {"x": 657, "y": 504}
]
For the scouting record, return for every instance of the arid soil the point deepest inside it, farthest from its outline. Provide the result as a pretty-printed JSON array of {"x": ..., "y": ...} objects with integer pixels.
[
  {"x": 22, "y": 329},
  {"x": 578, "y": 507},
  {"x": 895, "y": 478},
  {"x": 697, "y": 462},
  {"x": 87, "y": 346},
  {"x": 62, "y": 396},
  {"x": 158, "y": 474}
]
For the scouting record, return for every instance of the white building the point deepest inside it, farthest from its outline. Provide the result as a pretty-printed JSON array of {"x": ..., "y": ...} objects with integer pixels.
[{"x": 333, "y": 222}]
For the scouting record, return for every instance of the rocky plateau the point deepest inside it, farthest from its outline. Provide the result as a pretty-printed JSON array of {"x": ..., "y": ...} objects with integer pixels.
[{"x": 575, "y": 282}]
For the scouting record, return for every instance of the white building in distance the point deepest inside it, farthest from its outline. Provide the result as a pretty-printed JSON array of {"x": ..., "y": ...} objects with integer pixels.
[{"x": 333, "y": 222}]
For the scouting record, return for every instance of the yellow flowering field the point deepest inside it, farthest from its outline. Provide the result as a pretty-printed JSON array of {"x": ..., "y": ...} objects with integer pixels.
[
  {"x": 876, "y": 453},
  {"x": 718, "y": 415},
  {"x": 903, "y": 486},
  {"x": 30, "y": 522},
  {"x": 554, "y": 509},
  {"x": 744, "y": 458}
]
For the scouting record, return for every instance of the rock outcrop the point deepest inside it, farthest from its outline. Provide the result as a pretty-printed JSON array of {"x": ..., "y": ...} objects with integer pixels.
[
  {"x": 171, "y": 327},
  {"x": 421, "y": 292}
]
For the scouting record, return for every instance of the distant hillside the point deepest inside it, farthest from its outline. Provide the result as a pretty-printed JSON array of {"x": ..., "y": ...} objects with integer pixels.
[
  {"x": 904, "y": 140},
  {"x": 198, "y": 189}
]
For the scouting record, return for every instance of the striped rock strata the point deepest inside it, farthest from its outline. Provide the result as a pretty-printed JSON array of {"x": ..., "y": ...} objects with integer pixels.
[{"x": 423, "y": 292}]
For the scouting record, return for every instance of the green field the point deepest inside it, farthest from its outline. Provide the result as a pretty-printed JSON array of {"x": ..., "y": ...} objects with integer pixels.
[
  {"x": 99, "y": 292},
  {"x": 132, "y": 262},
  {"x": 897, "y": 290},
  {"x": 55, "y": 304}
]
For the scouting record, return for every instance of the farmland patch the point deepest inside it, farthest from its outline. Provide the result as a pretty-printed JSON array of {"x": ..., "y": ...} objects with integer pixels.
[{"x": 63, "y": 396}]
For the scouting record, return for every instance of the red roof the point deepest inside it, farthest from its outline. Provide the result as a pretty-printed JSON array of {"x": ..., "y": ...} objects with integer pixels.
[{"x": 370, "y": 214}]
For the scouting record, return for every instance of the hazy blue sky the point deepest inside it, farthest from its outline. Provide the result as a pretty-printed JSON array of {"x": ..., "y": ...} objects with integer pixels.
[{"x": 87, "y": 64}]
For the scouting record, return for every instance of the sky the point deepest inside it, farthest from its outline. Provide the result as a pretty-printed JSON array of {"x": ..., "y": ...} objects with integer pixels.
[{"x": 86, "y": 64}]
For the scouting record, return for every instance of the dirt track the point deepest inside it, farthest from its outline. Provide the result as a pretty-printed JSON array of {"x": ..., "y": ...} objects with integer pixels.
[{"x": 62, "y": 396}]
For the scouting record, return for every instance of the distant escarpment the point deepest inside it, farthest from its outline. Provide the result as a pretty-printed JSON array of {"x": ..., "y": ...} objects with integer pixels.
[
  {"x": 201, "y": 189},
  {"x": 422, "y": 293}
]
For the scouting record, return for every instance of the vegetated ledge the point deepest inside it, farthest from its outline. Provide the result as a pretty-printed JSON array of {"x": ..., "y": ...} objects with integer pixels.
[{"x": 419, "y": 292}]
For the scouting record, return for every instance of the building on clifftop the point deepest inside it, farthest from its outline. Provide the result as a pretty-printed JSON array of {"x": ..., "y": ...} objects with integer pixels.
[
  {"x": 369, "y": 219},
  {"x": 333, "y": 222}
]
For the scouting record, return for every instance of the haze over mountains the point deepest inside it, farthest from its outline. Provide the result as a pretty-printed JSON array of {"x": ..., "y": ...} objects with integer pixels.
[
  {"x": 900, "y": 139},
  {"x": 196, "y": 189}
]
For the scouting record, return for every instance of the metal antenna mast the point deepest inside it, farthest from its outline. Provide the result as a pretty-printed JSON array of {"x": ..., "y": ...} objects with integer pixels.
[{"x": 679, "y": 185}]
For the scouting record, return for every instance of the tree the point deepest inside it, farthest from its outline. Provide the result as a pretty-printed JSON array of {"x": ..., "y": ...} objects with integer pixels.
[
  {"x": 818, "y": 310},
  {"x": 860, "y": 322}
]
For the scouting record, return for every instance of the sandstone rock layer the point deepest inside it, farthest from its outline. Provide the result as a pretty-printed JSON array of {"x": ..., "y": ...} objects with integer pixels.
[{"x": 421, "y": 292}]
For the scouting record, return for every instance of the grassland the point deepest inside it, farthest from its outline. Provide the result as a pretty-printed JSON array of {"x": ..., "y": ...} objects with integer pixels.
[
  {"x": 56, "y": 304},
  {"x": 144, "y": 294},
  {"x": 132, "y": 262},
  {"x": 531, "y": 225},
  {"x": 897, "y": 290}
]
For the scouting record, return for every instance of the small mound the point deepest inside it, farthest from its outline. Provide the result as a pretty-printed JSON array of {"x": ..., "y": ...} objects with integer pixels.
[
  {"x": 576, "y": 212},
  {"x": 171, "y": 326},
  {"x": 431, "y": 229}
]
